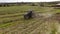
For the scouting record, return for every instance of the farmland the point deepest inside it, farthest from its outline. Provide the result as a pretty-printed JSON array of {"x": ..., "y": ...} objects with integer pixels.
[{"x": 12, "y": 21}]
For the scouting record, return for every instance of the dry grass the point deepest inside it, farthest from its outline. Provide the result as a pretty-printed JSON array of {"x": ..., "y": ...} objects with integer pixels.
[{"x": 12, "y": 21}]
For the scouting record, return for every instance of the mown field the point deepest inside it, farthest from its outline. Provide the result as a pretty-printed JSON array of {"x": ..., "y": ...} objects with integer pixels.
[{"x": 12, "y": 21}]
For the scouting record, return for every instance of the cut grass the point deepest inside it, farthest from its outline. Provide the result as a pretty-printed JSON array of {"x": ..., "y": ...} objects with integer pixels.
[
  {"x": 15, "y": 14},
  {"x": 20, "y": 9},
  {"x": 7, "y": 24}
]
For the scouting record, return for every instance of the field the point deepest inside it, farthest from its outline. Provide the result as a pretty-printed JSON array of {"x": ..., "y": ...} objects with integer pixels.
[{"x": 12, "y": 21}]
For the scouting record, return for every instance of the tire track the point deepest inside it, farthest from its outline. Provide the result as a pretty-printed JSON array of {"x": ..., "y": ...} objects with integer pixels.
[
  {"x": 28, "y": 24},
  {"x": 31, "y": 28},
  {"x": 11, "y": 15},
  {"x": 5, "y": 30},
  {"x": 37, "y": 30},
  {"x": 27, "y": 28},
  {"x": 18, "y": 26}
]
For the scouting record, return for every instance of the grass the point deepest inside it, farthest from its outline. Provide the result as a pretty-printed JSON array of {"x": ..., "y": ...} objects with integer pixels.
[
  {"x": 13, "y": 15},
  {"x": 18, "y": 9},
  {"x": 53, "y": 31},
  {"x": 15, "y": 11}
]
